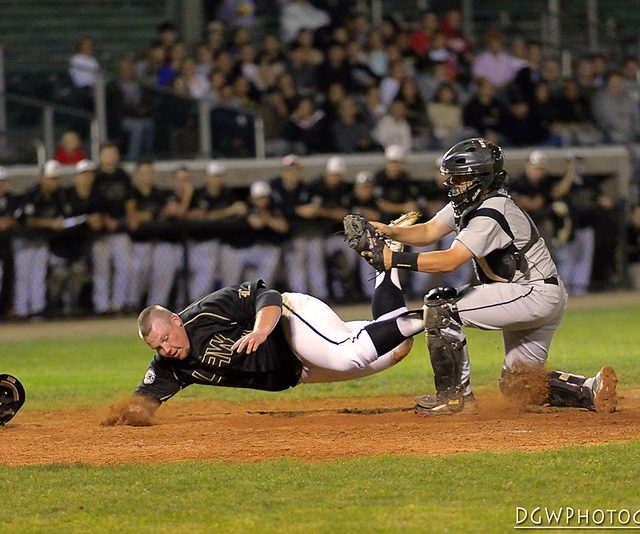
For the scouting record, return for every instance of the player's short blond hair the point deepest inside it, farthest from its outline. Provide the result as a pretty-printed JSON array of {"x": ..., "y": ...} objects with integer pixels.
[{"x": 148, "y": 315}]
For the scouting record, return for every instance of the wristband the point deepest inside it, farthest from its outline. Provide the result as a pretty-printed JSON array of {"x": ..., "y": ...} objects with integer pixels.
[{"x": 405, "y": 260}]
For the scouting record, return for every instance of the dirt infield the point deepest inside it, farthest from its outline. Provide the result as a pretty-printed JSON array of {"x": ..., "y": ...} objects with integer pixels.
[{"x": 313, "y": 430}]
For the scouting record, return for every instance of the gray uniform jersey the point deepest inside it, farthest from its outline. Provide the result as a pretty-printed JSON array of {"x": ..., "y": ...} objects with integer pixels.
[
  {"x": 484, "y": 235},
  {"x": 528, "y": 309}
]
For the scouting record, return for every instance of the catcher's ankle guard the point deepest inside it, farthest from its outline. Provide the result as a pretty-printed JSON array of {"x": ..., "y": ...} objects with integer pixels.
[{"x": 12, "y": 397}]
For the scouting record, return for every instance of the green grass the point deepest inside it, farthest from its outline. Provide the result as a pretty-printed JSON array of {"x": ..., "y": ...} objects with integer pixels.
[
  {"x": 466, "y": 493},
  {"x": 94, "y": 371}
]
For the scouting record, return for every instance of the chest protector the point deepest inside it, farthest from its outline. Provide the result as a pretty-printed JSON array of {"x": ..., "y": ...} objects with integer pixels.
[{"x": 500, "y": 265}]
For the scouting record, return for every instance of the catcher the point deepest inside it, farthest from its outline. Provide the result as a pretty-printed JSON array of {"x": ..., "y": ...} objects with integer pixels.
[
  {"x": 519, "y": 290},
  {"x": 248, "y": 336},
  {"x": 12, "y": 397}
]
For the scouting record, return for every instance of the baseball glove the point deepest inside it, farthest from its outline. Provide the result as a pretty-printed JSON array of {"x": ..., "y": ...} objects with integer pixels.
[
  {"x": 362, "y": 237},
  {"x": 406, "y": 219},
  {"x": 12, "y": 397}
]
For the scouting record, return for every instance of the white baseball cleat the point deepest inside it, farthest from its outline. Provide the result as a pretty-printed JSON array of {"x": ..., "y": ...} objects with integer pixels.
[{"x": 605, "y": 398}]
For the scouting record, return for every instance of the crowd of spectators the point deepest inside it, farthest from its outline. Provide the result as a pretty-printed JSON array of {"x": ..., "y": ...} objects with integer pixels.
[
  {"x": 111, "y": 242},
  {"x": 331, "y": 81}
]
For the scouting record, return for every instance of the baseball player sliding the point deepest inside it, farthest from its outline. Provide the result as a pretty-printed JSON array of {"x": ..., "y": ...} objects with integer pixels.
[
  {"x": 249, "y": 336},
  {"x": 519, "y": 290}
]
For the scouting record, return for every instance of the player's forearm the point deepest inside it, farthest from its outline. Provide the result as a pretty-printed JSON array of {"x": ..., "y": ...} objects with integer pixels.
[
  {"x": 418, "y": 235},
  {"x": 266, "y": 319},
  {"x": 437, "y": 261},
  {"x": 279, "y": 224},
  {"x": 44, "y": 223}
]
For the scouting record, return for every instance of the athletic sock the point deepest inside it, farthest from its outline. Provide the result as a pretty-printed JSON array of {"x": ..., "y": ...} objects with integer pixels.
[
  {"x": 387, "y": 296},
  {"x": 386, "y": 334},
  {"x": 411, "y": 324}
]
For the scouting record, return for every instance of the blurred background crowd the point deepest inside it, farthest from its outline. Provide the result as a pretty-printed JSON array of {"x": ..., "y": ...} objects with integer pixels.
[{"x": 287, "y": 80}]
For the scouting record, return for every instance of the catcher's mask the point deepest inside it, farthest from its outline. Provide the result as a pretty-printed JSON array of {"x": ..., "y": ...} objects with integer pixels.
[
  {"x": 470, "y": 168},
  {"x": 12, "y": 397}
]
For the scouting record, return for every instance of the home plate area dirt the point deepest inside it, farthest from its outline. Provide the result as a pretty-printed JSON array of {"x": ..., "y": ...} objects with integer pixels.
[{"x": 310, "y": 430}]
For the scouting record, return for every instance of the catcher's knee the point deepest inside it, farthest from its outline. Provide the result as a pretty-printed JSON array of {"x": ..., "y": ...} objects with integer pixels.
[{"x": 440, "y": 308}]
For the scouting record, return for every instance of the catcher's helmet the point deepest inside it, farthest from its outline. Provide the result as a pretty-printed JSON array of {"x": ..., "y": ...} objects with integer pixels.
[
  {"x": 12, "y": 397},
  {"x": 470, "y": 168}
]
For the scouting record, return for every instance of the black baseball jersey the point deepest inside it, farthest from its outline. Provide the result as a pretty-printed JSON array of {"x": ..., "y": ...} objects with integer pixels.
[
  {"x": 205, "y": 201},
  {"x": 74, "y": 204},
  {"x": 521, "y": 185},
  {"x": 213, "y": 324},
  {"x": 338, "y": 196},
  {"x": 151, "y": 201},
  {"x": 173, "y": 196},
  {"x": 37, "y": 203},
  {"x": 289, "y": 199},
  {"x": 8, "y": 204},
  {"x": 74, "y": 242},
  {"x": 330, "y": 197},
  {"x": 268, "y": 234},
  {"x": 397, "y": 190},
  {"x": 357, "y": 204},
  {"x": 114, "y": 189}
]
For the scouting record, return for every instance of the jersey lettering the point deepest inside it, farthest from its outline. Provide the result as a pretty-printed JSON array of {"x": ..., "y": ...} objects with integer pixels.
[{"x": 218, "y": 352}]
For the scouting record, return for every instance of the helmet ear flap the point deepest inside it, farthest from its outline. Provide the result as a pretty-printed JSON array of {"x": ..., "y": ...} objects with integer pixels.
[{"x": 498, "y": 158}]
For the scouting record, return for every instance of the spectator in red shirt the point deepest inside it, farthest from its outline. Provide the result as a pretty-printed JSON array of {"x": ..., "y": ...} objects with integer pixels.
[
  {"x": 421, "y": 38},
  {"x": 69, "y": 151}
]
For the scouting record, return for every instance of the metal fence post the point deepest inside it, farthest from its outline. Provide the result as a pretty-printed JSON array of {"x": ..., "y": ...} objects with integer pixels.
[
  {"x": 3, "y": 97},
  {"x": 48, "y": 132},
  {"x": 258, "y": 130},
  {"x": 94, "y": 137},
  {"x": 554, "y": 25},
  {"x": 592, "y": 25},
  {"x": 204, "y": 128},
  {"x": 467, "y": 19},
  {"x": 376, "y": 12},
  {"x": 100, "y": 105}
]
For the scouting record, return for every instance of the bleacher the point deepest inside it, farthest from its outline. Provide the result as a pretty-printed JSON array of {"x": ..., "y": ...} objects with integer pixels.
[{"x": 39, "y": 35}]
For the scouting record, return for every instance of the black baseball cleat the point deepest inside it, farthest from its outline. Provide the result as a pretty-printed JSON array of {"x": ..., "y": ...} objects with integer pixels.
[
  {"x": 435, "y": 405},
  {"x": 605, "y": 398}
]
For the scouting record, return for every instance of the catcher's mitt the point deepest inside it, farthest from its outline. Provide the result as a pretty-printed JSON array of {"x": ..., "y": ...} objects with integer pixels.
[
  {"x": 362, "y": 237},
  {"x": 12, "y": 397}
]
